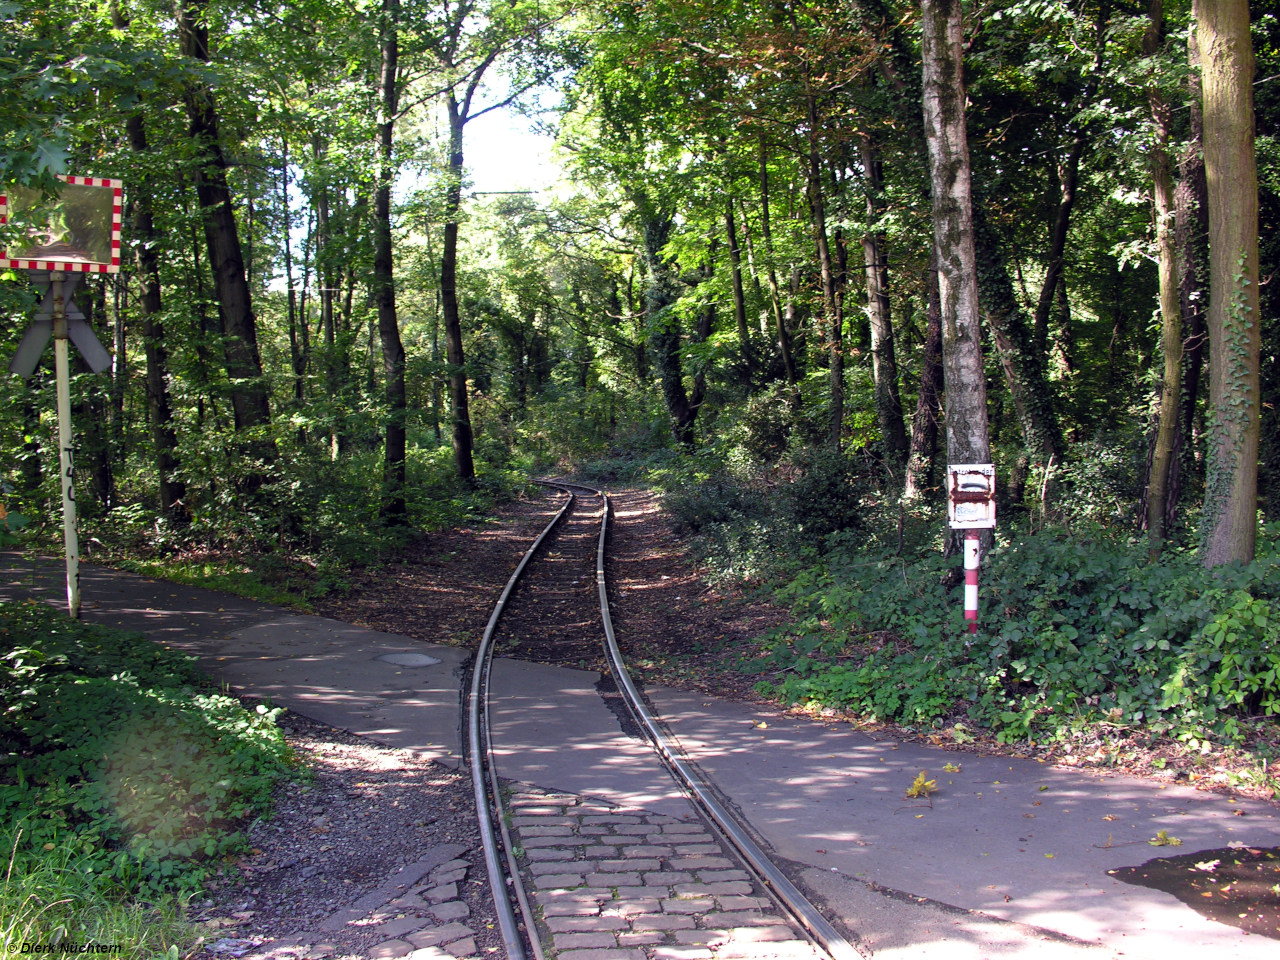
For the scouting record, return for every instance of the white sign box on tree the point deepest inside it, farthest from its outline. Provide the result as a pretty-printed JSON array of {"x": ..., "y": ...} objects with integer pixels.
[{"x": 971, "y": 496}]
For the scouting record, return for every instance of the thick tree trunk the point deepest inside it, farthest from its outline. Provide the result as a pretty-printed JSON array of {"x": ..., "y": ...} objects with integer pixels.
[
  {"x": 1023, "y": 368},
  {"x": 164, "y": 438},
  {"x": 944, "y": 116},
  {"x": 393, "y": 508},
  {"x": 249, "y": 399},
  {"x": 1230, "y": 517},
  {"x": 1162, "y": 456},
  {"x": 884, "y": 364},
  {"x": 924, "y": 425},
  {"x": 459, "y": 405}
]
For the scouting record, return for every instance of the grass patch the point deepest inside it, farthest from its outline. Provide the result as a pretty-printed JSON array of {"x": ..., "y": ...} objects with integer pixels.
[
  {"x": 47, "y": 897},
  {"x": 265, "y": 579},
  {"x": 124, "y": 778}
]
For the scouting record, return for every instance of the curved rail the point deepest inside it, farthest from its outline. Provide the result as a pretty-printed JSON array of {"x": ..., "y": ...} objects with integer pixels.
[
  {"x": 477, "y": 723},
  {"x": 795, "y": 902},
  {"x": 782, "y": 889}
]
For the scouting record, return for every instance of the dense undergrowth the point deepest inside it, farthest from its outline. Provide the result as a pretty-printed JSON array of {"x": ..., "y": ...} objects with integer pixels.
[
  {"x": 124, "y": 778},
  {"x": 291, "y": 541},
  {"x": 1075, "y": 628}
]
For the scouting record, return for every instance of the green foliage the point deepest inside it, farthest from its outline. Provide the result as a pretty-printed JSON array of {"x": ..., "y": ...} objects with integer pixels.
[
  {"x": 1074, "y": 630},
  {"x": 745, "y": 520},
  {"x": 118, "y": 748},
  {"x": 1233, "y": 663},
  {"x": 51, "y": 895}
]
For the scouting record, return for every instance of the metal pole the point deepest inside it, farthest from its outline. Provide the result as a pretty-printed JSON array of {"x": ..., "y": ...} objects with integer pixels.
[
  {"x": 971, "y": 551},
  {"x": 63, "y": 371}
]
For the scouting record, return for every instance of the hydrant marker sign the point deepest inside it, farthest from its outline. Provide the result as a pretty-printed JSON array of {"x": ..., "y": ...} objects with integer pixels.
[{"x": 971, "y": 496}]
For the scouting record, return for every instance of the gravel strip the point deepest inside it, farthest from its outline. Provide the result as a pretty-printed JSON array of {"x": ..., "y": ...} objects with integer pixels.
[{"x": 375, "y": 857}]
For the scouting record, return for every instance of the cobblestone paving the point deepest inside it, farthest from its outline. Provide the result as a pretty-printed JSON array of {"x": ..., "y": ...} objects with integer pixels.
[
  {"x": 618, "y": 884},
  {"x": 417, "y": 914}
]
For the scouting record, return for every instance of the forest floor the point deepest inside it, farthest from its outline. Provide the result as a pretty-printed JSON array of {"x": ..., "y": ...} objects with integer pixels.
[{"x": 673, "y": 628}]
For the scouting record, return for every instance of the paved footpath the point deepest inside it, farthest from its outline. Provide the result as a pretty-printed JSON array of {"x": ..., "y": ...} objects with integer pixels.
[
  {"x": 1010, "y": 859},
  {"x": 614, "y": 883}
]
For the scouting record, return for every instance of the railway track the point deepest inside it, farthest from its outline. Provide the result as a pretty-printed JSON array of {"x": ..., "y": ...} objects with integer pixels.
[{"x": 656, "y": 868}]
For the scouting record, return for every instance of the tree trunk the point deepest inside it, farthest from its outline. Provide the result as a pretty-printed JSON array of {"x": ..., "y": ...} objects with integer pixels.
[
  {"x": 119, "y": 377},
  {"x": 297, "y": 355},
  {"x": 164, "y": 439},
  {"x": 830, "y": 308},
  {"x": 924, "y": 425},
  {"x": 93, "y": 414},
  {"x": 739, "y": 296},
  {"x": 336, "y": 368},
  {"x": 753, "y": 271},
  {"x": 459, "y": 405},
  {"x": 393, "y": 508},
  {"x": 944, "y": 116},
  {"x": 1230, "y": 518},
  {"x": 31, "y": 463},
  {"x": 1191, "y": 204},
  {"x": 664, "y": 336},
  {"x": 1068, "y": 176},
  {"x": 1162, "y": 456},
  {"x": 249, "y": 399},
  {"x": 775, "y": 299},
  {"x": 884, "y": 364}
]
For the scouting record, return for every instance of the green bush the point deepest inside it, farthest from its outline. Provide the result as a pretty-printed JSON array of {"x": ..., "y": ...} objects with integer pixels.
[
  {"x": 1074, "y": 629},
  {"x": 121, "y": 749},
  {"x": 745, "y": 521}
]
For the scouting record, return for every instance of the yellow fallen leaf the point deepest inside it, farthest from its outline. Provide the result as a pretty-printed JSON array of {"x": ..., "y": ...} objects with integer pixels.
[{"x": 921, "y": 787}]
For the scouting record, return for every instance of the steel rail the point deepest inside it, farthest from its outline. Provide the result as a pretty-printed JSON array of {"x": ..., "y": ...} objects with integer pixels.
[
  {"x": 477, "y": 722},
  {"x": 500, "y": 815},
  {"x": 782, "y": 888}
]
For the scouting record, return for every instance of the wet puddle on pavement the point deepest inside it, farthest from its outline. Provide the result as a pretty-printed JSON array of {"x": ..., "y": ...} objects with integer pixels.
[{"x": 1235, "y": 885}]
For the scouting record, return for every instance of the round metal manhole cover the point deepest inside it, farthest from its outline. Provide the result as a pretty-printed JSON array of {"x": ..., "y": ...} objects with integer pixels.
[{"x": 409, "y": 659}]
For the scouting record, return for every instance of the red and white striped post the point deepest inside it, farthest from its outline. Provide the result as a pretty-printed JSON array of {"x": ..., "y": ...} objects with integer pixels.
[
  {"x": 971, "y": 506},
  {"x": 971, "y": 579}
]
